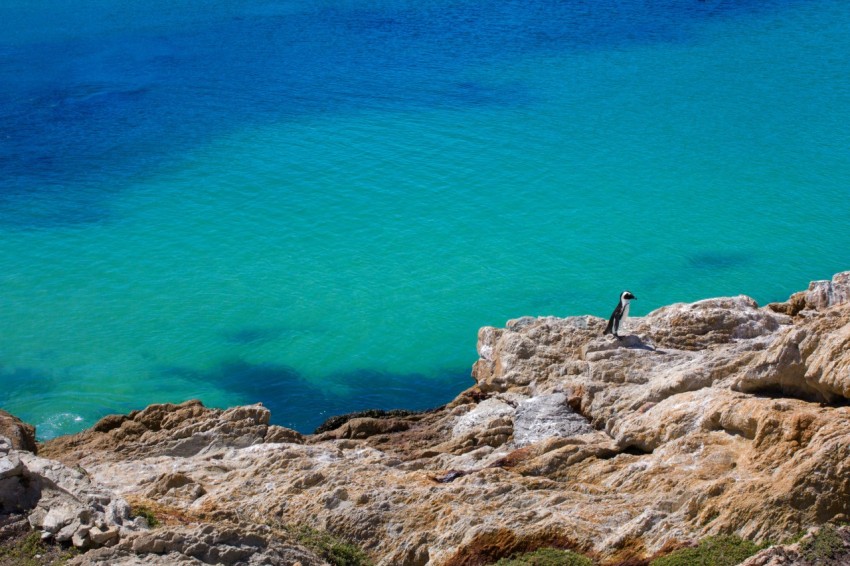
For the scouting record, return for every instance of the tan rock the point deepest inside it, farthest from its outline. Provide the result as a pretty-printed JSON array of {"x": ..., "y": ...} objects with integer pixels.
[
  {"x": 21, "y": 434},
  {"x": 180, "y": 430},
  {"x": 820, "y": 295}
]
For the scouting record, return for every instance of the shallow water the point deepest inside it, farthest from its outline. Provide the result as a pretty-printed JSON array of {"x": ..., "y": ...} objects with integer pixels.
[{"x": 317, "y": 204}]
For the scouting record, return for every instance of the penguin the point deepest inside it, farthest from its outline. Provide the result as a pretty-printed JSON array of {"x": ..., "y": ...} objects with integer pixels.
[{"x": 621, "y": 312}]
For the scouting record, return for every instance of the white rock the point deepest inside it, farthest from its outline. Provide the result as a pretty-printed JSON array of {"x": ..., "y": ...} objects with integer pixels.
[
  {"x": 10, "y": 465},
  {"x": 547, "y": 416},
  {"x": 482, "y": 416},
  {"x": 66, "y": 533},
  {"x": 59, "y": 516},
  {"x": 100, "y": 537},
  {"x": 81, "y": 538}
]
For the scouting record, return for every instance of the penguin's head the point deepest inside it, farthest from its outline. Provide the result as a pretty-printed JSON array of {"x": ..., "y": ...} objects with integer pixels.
[{"x": 627, "y": 296}]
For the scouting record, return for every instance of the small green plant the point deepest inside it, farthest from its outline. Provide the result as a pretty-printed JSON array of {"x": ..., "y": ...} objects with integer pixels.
[
  {"x": 66, "y": 556},
  {"x": 725, "y": 550},
  {"x": 142, "y": 511},
  {"x": 25, "y": 550},
  {"x": 546, "y": 557},
  {"x": 824, "y": 544},
  {"x": 336, "y": 551}
]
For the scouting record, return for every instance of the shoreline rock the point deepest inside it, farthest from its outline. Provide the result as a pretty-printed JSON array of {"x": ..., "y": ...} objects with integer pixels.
[
  {"x": 20, "y": 434},
  {"x": 713, "y": 417}
]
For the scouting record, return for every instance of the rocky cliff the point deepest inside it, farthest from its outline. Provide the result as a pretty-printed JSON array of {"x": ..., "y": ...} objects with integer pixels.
[{"x": 713, "y": 417}]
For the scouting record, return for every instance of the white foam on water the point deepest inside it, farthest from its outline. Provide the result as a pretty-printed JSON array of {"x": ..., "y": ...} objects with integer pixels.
[{"x": 58, "y": 424}]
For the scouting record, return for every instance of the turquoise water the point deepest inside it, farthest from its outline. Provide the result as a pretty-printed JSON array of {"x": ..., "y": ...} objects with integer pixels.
[{"x": 316, "y": 205}]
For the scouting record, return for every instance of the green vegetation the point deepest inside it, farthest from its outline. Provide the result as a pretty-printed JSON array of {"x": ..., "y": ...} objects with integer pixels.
[
  {"x": 336, "y": 551},
  {"x": 546, "y": 557},
  {"x": 726, "y": 550},
  {"x": 147, "y": 513},
  {"x": 29, "y": 550},
  {"x": 823, "y": 545},
  {"x": 790, "y": 540},
  {"x": 24, "y": 551}
]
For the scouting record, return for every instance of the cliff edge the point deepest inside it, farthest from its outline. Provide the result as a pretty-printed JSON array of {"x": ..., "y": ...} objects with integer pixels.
[{"x": 714, "y": 417}]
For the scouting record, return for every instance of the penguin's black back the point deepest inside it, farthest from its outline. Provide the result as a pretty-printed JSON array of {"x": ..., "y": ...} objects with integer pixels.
[{"x": 614, "y": 321}]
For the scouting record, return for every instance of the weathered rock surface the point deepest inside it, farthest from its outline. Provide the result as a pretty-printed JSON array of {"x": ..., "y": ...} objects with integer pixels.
[
  {"x": 225, "y": 545},
  {"x": 61, "y": 502},
  {"x": 19, "y": 433},
  {"x": 707, "y": 418},
  {"x": 183, "y": 430}
]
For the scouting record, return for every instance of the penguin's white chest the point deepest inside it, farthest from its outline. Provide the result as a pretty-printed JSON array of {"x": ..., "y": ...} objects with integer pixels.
[{"x": 625, "y": 310}]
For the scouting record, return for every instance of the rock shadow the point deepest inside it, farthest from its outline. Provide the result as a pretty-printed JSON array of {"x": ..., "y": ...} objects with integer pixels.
[
  {"x": 635, "y": 342},
  {"x": 800, "y": 392}
]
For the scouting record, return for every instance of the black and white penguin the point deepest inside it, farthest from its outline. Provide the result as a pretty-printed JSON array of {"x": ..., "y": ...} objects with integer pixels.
[{"x": 621, "y": 312}]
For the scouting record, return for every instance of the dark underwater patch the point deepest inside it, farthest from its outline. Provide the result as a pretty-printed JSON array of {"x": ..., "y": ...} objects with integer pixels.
[
  {"x": 298, "y": 403},
  {"x": 719, "y": 260},
  {"x": 22, "y": 382},
  {"x": 253, "y": 381},
  {"x": 376, "y": 390},
  {"x": 252, "y": 335}
]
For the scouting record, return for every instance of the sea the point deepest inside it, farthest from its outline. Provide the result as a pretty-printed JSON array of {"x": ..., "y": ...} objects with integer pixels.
[{"x": 316, "y": 204}]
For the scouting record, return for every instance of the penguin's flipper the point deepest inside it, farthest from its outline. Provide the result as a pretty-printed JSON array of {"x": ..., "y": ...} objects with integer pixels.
[{"x": 610, "y": 328}]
